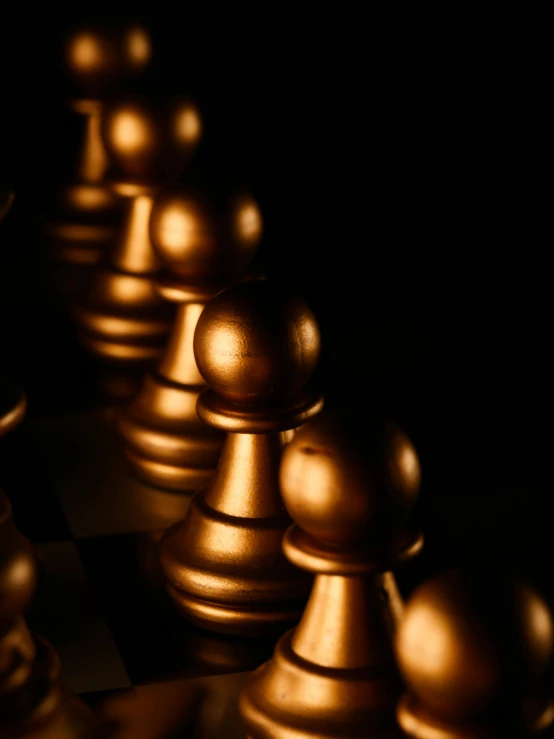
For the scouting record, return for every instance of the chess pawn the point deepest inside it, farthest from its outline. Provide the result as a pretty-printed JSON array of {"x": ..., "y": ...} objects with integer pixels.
[
  {"x": 205, "y": 244},
  {"x": 256, "y": 347},
  {"x": 122, "y": 318},
  {"x": 33, "y": 703},
  {"x": 87, "y": 210},
  {"x": 334, "y": 675},
  {"x": 473, "y": 648}
]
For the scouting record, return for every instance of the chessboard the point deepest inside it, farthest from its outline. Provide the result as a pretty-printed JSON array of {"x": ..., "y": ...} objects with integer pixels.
[{"x": 463, "y": 365}]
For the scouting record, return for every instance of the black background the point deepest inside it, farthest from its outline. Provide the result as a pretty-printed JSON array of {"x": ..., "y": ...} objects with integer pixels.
[{"x": 401, "y": 167}]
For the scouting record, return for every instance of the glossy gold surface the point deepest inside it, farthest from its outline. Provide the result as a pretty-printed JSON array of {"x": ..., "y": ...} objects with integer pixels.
[
  {"x": 334, "y": 675},
  {"x": 122, "y": 318},
  {"x": 473, "y": 648},
  {"x": 32, "y": 701},
  {"x": 13, "y": 403},
  {"x": 203, "y": 245},
  {"x": 223, "y": 563},
  {"x": 256, "y": 345}
]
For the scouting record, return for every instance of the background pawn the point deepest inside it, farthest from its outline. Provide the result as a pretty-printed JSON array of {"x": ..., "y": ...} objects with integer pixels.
[
  {"x": 87, "y": 212},
  {"x": 33, "y": 703},
  {"x": 205, "y": 241},
  {"x": 473, "y": 648},
  {"x": 256, "y": 346},
  {"x": 122, "y": 319},
  {"x": 334, "y": 675}
]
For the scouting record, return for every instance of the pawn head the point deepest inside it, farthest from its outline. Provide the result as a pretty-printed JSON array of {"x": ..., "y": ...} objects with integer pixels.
[
  {"x": 95, "y": 56},
  {"x": 256, "y": 344},
  {"x": 203, "y": 240},
  {"x": 342, "y": 490},
  {"x": 473, "y": 643},
  {"x": 150, "y": 140}
]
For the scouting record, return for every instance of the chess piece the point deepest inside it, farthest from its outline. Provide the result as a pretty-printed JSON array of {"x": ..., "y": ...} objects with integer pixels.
[
  {"x": 13, "y": 404},
  {"x": 473, "y": 648},
  {"x": 33, "y": 703},
  {"x": 334, "y": 675},
  {"x": 205, "y": 244},
  {"x": 256, "y": 347},
  {"x": 87, "y": 211},
  {"x": 122, "y": 318}
]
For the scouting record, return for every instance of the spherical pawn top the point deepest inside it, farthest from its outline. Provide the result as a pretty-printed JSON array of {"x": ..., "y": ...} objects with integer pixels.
[
  {"x": 150, "y": 141},
  {"x": 203, "y": 242},
  {"x": 473, "y": 647},
  {"x": 343, "y": 495},
  {"x": 95, "y": 56},
  {"x": 257, "y": 345}
]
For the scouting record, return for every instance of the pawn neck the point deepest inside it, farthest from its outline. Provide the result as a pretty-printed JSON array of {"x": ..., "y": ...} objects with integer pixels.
[
  {"x": 94, "y": 159},
  {"x": 345, "y": 625},
  {"x": 134, "y": 252},
  {"x": 246, "y": 481},
  {"x": 178, "y": 363}
]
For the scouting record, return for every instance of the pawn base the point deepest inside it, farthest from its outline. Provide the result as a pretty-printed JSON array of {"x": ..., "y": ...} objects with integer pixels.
[
  {"x": 168, "y": 476},
  {"x": 234, "y": 620},
  {"x": 290, "y": 698},
  {"x": 416, "y": 721}
]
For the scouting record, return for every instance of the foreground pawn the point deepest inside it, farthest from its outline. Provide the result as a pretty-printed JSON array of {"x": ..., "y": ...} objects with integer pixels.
[
  {"x": 33, "y": 704},
  {"x": 256, "y": 347},
  {"x": 334, "y": 676},
  {"x": 122, "y": 318},
  {"x": 87, "y": 209},
  {"x": 205, "y": 244},
  {"x": 473, "y": 648}
]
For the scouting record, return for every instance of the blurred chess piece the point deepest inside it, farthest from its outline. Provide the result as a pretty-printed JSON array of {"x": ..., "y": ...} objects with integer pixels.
[
  {"x": 334, "y": 675},
  {"x": 473, "y": 648},
  {"x": 206, "y": 242},
  {"x": 33, "y": 703},
  {"x": 13, "y": 403},
  {"x": 87, "y": 212},
  {"x": 122, "y": 319},
  {"x": 256, "y": 346}
]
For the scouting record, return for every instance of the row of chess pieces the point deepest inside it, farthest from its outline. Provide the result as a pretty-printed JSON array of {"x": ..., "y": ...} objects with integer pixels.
[{"x": 227, "y": 409}]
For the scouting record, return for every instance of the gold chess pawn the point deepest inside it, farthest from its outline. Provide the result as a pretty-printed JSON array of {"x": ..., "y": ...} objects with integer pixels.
[
  {"x": 473, "y": 648},
  {"x": 122, "y": 318},
  {"x": 205, "y": 244},
  {"x": 87, "y": 210},
  {"x": 33, "y": 703},
  {"x": 256, "y": 347},
  {"x": 334, "y": 675}
]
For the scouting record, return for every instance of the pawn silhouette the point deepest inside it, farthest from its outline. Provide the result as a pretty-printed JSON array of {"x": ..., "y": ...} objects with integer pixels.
[
  {"x": 87, "y": 212},
  {"x": 205, "y": 241},
  {"x": 33, "y": 703},
  {"x": 473, "y": 647},
  {"x": 256, "y": 346},
  {"x": 334, "y": 675},
  {"x": 122, "y": 319}
]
